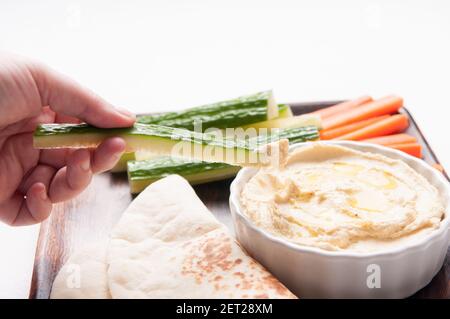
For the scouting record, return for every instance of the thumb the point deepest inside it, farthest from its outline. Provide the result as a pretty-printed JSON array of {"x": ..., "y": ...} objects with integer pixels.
[{"x": 65, "y": 96}]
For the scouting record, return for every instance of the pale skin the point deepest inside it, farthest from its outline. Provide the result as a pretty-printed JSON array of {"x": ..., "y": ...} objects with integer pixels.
[{"x": 32, "y": 180}]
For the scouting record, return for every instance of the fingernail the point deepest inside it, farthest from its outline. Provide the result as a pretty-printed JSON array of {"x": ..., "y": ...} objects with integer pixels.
[
  {"x": 85, "y": 165},
  {"x": 43, "y": 193},
  {"x": 125, "y": 112}
]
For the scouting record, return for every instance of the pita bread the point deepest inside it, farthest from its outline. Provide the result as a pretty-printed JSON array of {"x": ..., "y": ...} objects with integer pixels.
[
  {"x": 83, "y": 276},
  {"x": 168, "y": 245}
]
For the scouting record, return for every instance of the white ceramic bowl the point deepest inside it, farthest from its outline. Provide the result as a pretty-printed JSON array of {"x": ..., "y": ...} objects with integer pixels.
[{"x": 311, "y": 272}]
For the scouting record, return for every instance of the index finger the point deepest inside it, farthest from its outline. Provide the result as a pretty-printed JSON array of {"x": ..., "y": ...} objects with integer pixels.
[{"x": 65, "y": 96}]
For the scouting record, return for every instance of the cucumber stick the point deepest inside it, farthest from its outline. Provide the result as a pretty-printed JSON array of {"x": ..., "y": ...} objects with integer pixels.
[
  {"x": 231, "y": 113},
  {"x": 121, "y": 165},
  {"x": 284, "y": 111},
  {"x": 153, "y": 139},
  {"x": 143, "y": 173},
  {"x": 288, "y": 122}
]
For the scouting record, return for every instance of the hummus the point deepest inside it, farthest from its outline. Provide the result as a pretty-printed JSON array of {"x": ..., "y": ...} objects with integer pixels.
[{"x": 336, "y": 198}]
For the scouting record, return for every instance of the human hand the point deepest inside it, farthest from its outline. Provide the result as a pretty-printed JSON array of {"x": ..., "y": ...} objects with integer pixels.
[{"x": 31, "y": 180}]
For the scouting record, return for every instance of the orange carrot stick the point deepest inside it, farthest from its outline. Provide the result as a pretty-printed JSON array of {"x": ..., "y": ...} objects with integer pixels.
[
  {"x": 439, "y": 167},
  {"x": 344, "y": 106},
  {"x": 401, "y": 138},
  {"x": 414, "y": 149},
  {"x": 387, "y": 105},
  {"x": 390, "y": 125},
  {"x": 345, "y": 129}
]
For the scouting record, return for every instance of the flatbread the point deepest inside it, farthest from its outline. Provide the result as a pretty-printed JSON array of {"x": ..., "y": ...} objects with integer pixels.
[
  {"x": 168, "y": 245},
  {"x": 83, "y": 276}
]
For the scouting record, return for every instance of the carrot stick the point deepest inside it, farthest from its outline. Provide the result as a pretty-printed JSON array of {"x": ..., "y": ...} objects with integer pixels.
[
  {"x": 345, "y": 129},
  {"x": 344, "y": 106},
  {"x": 390, "y": 125},
  {"x": 414, "y": 149},
  {"x": 387, "y": 105},
  {"x": 401, "y": 138},
  {"x": 439, "y": 167}
]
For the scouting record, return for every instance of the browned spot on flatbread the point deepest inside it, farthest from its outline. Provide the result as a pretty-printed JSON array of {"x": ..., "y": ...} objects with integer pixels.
[
  {"x": 208, "y": 256},
  {"x": 246, "y": 284},
  {"x": 272, "y": 283},
  {"x": 216, "y": 255},
  {"x": 211, "y": 259},
  {"x": 262, "y": 296},
  {"x": 186, "y": 269},
  {"x": 239, "y": 274}
]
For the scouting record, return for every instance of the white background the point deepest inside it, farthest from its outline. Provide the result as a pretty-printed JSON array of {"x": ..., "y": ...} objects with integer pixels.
[{"x": 159, "y": 55}]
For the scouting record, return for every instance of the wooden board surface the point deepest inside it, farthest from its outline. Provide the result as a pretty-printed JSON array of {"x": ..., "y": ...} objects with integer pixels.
[{"x": 90, "y": 217}]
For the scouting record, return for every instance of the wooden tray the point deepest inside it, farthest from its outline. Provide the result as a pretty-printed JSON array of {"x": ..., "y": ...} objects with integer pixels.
[{"x": 91, "y": 216}]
